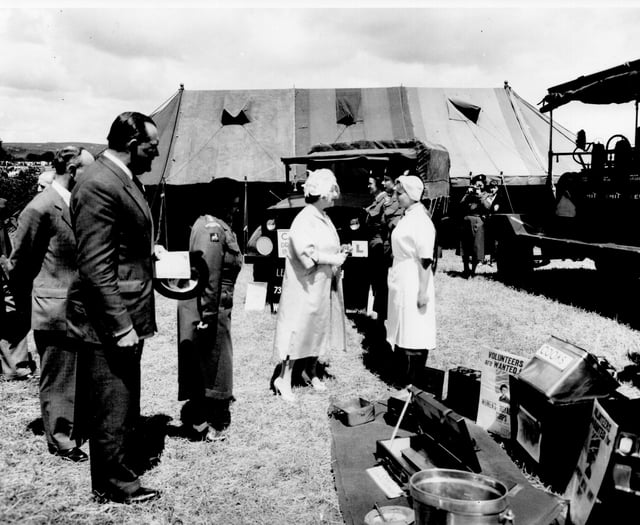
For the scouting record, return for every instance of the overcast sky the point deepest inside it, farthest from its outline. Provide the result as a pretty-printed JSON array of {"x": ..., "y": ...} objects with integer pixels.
[{"x": 65, "y": 73}]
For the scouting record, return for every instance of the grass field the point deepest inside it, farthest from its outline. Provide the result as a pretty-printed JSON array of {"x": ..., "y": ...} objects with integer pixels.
[{"x": 275, "y": 468}]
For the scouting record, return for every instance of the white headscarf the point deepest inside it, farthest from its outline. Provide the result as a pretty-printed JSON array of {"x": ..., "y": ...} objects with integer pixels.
[
  {"x": 412, "y": 185},
  {"x": 320, "y": 183}
]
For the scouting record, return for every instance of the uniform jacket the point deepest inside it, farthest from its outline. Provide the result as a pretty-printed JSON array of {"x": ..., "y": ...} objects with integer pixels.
[
  {"x": 220, "y": 250},
  {"x": 113, "y": 227},
  {"x": 43, "y": 260},
  {"x": 311, "y": 318}
]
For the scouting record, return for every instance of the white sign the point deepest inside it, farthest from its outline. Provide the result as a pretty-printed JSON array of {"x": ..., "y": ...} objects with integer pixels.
[
  {"x": 360, "y": 249},
  {"x": 592, "y": 465},
  {"x": 554, "y": 356},
  {"x": 173, "y": 265},
  {"x": 256, "y": 296},
  {"x": 494, "y": 404},
  {"x": 283, "y": 243}
]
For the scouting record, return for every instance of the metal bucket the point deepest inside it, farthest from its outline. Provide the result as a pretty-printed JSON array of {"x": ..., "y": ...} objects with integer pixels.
[{"x": 455, "y": 497}]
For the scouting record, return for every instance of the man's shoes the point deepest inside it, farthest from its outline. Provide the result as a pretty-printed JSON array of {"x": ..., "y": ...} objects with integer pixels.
[
  {"x": 72, "y": 454},
  {"x": 142, "y": 495}
]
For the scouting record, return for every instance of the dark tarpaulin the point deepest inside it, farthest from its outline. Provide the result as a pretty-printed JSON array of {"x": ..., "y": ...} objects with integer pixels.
[
  {"x": 432, "y": 160},
  {"x": 612, "y": 86}
]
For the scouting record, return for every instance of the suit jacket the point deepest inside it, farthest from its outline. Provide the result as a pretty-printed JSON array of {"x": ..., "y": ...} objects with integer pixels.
[
  {"x": 113, "y": 227},
  {"x": 42, "y": 262}
]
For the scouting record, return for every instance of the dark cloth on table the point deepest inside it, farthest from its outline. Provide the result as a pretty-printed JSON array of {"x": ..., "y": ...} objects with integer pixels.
[{"x": 352, "y": 453}]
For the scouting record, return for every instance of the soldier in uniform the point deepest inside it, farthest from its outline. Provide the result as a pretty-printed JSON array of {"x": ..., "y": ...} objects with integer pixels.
[
  {"x": 377, "y": 234},
  {"x": 205, "y": 353},
  {"x": 392, "y": 212}
]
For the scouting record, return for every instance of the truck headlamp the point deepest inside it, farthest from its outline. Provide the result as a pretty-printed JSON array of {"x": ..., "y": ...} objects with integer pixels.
[
  {"x": 264, "y": 245},
  {"x": 271, "y": 225}
]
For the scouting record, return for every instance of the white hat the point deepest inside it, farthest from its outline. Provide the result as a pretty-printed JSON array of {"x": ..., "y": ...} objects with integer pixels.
[
  {"x": 412, "y": 185},
  {"x": 320, "y": 183}
]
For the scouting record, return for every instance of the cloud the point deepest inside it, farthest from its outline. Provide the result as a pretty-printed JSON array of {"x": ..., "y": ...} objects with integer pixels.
[{"x": 65, "y": 68}]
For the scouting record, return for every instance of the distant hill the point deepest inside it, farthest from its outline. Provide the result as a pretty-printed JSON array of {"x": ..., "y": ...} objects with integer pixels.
[{"x": 20, "y": 150}]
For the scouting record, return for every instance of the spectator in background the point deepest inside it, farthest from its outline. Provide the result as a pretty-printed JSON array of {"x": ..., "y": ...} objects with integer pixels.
[
  {"x": 491, "y": 203},
  {"x": 311, "y": 317},
  {"x": 43, "y": 263},
  {"x": 411, "y": 322},
  {"x": 111, "y": 303},
  {"x": 205, "y": 352},
  {"x": 378, "y": 265},
  {"x": 16, "y": 362},
  {"x": 473, "y": 211},
  {"x": 45, "y": 179}
]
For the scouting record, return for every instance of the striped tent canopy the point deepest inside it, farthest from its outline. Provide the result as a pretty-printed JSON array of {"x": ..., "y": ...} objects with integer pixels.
[{"x": 245, "y": 133}]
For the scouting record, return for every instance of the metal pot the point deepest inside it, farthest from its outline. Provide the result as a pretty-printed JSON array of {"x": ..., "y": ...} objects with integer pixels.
[{"x": 455, "y": 497}]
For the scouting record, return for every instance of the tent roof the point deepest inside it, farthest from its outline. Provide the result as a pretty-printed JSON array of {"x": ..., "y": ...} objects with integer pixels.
[
  {"x": 611, "y": 86},
  {"x": 484, "y": 130}
]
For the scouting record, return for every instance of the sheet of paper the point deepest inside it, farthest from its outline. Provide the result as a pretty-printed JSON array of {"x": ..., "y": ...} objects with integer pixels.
[
  {"x": 384, "y": 481},
  {"x": 173, "y": 265},
  {"x": 256, "y": 296}
]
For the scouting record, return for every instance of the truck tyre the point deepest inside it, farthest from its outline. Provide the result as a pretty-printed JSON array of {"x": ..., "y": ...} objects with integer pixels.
[{"x": 514, "y": 260}]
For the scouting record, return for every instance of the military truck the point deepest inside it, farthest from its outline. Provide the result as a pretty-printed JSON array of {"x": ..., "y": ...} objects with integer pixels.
[
  {"x": 592, "y": 212},
  {"x": 353, "y": 163}
]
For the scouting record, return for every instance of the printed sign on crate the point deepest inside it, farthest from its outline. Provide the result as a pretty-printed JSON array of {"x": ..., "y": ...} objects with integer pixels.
[
  {"x": 493, "y": 407},
  {"x": 592, "y": 465}
]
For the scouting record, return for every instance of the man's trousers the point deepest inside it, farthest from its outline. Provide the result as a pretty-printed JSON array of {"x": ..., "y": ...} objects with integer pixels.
[
  {"x": 60, "y": 396},
  {"x": 114, "y": 373}
]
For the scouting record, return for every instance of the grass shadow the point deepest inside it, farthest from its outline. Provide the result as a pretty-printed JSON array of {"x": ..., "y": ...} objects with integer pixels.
[
  {"x": 377, "y": 356},
  {"x": 610, "y": 296}
]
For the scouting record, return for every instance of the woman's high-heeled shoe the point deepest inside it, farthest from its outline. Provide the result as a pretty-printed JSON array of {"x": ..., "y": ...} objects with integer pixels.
[
  {"x": 318, "y": 385},
  {"x": 287, "y": 395},
  {"x": 314, "y": 381}
]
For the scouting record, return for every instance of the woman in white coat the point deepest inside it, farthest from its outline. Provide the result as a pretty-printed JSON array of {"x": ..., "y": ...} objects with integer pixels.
[
  {"x": 411, "y": 321},
  {"x": 311, "y": 318}
]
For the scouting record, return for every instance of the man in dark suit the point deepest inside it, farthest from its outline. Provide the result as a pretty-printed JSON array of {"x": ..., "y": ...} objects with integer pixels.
[
  {"x": 42, "y": 265},
  {"x": 111, "y": 303}
]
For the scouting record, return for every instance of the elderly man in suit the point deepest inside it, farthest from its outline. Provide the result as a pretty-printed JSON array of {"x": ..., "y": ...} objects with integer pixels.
[
  {"x": 111, "y": 302},
  {"x": 42, "y": 265}
]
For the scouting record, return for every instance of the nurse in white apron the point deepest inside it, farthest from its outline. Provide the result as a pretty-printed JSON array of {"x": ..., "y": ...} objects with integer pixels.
[{"x": 411, "y": 322}]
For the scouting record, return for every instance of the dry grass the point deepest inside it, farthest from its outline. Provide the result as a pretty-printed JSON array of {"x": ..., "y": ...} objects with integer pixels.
[{"x": 276, "y": 465}]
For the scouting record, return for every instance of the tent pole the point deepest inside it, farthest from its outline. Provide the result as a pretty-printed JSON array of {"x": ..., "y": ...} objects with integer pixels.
[
  {"x": 635, "y": 128},
  {"x": 550, "y": 170},
  {"x": 245, "y": 220}
]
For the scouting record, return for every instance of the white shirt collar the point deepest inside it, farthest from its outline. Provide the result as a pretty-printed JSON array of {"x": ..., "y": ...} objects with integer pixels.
[
  {"x": 62, "y": 191},
  {"x": 107, "y": 153}
]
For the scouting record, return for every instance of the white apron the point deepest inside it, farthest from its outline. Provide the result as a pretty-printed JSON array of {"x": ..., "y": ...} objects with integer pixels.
[{"x": 412, "y": 239}]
